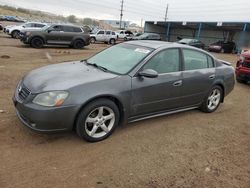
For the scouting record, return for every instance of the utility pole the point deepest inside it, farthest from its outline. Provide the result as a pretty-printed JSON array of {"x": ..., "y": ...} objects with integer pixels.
[
  {"x": 166, "y": 14},
  {"x": 122, "y": 3}
]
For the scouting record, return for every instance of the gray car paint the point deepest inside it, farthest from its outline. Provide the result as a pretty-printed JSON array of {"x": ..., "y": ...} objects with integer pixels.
[{"x": 137, "y": 97}]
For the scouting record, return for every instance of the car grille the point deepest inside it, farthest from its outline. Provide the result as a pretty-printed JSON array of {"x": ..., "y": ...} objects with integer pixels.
[{"x": 23, "y": 92}]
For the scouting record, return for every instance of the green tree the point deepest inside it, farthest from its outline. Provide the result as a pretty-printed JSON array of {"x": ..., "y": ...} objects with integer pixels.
[{"x": 71, "y": 18}]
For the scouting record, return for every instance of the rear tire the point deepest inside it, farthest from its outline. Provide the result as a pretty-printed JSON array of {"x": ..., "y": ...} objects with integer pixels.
[
  {"x": 212, "y": 100},
  {"x": 37, "y": 42},
  {"x": 97, "y": 120},
  {"x": 78, "y": 44},
  {"x": 112, "y": 41}
]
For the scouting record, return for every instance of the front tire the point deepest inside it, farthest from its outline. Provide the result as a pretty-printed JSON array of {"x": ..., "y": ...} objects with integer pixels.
[
  {"x": 37, "y": 42},
  {"x": 92, "y": 40},
  {"x": 212, "y": 100},
  {"x": 98, "y": 120},
  {"x": 15, "y": 34}
]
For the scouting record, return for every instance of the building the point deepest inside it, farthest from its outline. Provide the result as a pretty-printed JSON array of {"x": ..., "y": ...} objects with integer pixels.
[
  {"x": 207, "y": 32},
  {"x": 116, "y": 23}
]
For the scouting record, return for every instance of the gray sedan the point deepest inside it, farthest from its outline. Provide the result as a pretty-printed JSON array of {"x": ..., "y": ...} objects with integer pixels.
[{"x": 128, "y": 82}]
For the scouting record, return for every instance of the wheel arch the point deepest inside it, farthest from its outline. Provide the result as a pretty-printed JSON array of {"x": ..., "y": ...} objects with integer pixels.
[
  {"x": 14, "y": 31},
  {"x": 37, "y": 36},
  {"x": 115, "y": 99},
  {"x": 220, "y": 84},
  {"x": 78, "y": 38}
]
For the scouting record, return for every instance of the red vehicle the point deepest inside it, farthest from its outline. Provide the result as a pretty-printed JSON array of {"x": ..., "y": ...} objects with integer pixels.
[{"x": 243, "y": 68}]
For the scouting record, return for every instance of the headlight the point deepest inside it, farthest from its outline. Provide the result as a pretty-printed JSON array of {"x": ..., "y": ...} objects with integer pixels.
[
  {"x": 242, "y": 58},
  {"x": 52, "y": 98}
]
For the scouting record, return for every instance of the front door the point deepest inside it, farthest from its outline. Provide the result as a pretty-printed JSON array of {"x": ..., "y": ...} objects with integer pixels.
[
  {"x": 151, "y": 95},
  {"x": 53, "y": 34}
]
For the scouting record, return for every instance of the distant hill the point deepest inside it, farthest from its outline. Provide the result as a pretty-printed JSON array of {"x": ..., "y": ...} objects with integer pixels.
[{"x": 31, "y": 14}]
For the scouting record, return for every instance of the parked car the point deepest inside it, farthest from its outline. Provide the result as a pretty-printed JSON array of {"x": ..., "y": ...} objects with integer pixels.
[
  {"x": 221, "y": 46},
  {"x": 128, "y": 82},
  {"x": 243, "y": 68},
  {"x": 15, "y": 30},
  {"x": 192, "y": 42},
  {"x": 1, "y": 27},
  {"x": 124, "y": 34},
  {"x": 106, "y": 36},
  {"x": 147, "y": 36},
  {"x": 131, "y": 37},
  {"x": 6, "y": 28},
  {"x": 56, "y": 34}
]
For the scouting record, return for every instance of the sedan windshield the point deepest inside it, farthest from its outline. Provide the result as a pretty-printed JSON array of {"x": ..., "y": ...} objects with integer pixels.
[{"x": 120, "y": 58}]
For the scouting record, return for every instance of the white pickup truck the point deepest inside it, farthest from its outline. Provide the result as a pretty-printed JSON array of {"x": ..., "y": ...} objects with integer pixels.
[{"x": 106, "y": 36}]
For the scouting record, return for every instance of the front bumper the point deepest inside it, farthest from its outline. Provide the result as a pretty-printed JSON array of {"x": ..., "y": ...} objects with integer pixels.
[
  {"x": 243, "y": 73},
  {"x": 45, "y": 119}
]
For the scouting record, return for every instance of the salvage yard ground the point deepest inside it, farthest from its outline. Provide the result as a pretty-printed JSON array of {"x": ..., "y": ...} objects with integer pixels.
[{"x": 190, "y": 149}]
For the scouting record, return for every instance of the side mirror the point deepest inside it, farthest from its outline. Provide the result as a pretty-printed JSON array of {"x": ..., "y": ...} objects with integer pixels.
[{"x": 149, "y": 73}]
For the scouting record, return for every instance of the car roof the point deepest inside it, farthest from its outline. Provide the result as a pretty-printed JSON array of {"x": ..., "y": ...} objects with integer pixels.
[{"x": 157, "y": 44}]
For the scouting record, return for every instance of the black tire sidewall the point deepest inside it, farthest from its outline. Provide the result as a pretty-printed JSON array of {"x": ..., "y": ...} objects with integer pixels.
[
  {"x": 110, "y": 41},
  {"x": 77, "y": 42},
  {"x": 204, "y": 106},
  {"x": 80, "y": 122},
  {"x": 92, "y": 40},
  {"x": 35, "y": 45}
]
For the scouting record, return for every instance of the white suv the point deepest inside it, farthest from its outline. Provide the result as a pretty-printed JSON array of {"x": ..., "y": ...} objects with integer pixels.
[
  {"x": 104, "y": 36},
  {"x": 15, "y": 30}
]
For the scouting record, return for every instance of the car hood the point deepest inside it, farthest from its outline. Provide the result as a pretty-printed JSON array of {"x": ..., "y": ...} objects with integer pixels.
[{"x": 63, "y": 76}]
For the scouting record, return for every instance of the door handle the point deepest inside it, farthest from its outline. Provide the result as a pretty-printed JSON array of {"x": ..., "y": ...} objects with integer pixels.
[
  {"x": 177, "y": 83},
  {"x": 212, "y": 76}
]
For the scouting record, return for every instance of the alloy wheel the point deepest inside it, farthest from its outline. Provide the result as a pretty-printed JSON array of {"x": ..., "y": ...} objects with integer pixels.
[
  {"x": 100, "y": 122},
  {"x": 214, "y": 99}
]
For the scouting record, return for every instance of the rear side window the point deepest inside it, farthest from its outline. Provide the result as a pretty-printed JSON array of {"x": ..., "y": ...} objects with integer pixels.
[
  {"x": 194, "y": 60},
  {"x": 77, "y": 29},
  {"x": 210, "y": 62},
  {"x": 39, "y": 25},
  {"x": 108, "y": 32},
  {"x": 113, "y": 33}
]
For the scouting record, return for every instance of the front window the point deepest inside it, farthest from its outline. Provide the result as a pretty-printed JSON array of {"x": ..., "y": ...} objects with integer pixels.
[
  {"x": 165, "y": 61},
  {"x": 120, "y": 58}
]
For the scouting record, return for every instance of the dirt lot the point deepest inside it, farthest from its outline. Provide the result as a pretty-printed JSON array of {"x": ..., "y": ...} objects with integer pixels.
[{"x": 190, "y": 149}]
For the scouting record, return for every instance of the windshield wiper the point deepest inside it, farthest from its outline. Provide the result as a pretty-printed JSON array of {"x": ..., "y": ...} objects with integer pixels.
[{"x": 95, "y": 65}]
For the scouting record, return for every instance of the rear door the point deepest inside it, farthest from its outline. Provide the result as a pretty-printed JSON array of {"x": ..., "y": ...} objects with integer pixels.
[
  {"x": 151, "y": 95},
  {"x": 198, "y": 76},
  {"x": 108, "y": 35}
]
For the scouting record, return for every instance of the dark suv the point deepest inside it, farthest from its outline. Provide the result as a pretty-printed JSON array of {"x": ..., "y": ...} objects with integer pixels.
[{"x": 56, "y": 34}]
